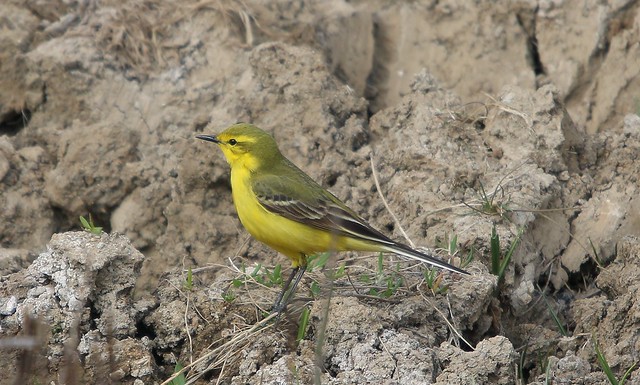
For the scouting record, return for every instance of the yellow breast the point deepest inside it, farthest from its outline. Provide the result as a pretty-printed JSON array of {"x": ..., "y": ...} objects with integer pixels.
[{"x": 291, "y": 238}]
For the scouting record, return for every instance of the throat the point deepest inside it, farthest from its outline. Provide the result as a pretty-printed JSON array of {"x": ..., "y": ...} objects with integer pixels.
[
  {"x": 240, "y": 176},
  {"x": 246, "y": 164}
]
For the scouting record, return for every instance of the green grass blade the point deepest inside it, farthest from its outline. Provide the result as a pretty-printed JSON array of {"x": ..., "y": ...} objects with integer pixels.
[
  {"x": 507, "y": 258},
  {"x": 627, "y": 373},
  {"x": 555, "y": 317},
  {"x": 602, "y": 360},
  {"x": 304, "y": 323},
  {"x": 495, "y": 251},
  {"x": 181, "y": 379}
]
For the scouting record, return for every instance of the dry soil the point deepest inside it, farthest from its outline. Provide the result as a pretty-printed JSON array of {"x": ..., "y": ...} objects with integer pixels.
[{"x": 437, "y": 121}]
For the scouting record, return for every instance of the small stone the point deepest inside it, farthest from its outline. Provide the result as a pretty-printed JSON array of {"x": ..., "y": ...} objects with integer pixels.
[
  {"x": 10, "y": 306},
  {"x": 564, "y": 176}
]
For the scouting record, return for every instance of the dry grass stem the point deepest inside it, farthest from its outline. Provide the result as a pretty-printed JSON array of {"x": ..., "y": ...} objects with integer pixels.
[
  {"x": 386, "y": 205},
  {"x": 446, "y": 320},
  {"x": 219, "y": 356}
]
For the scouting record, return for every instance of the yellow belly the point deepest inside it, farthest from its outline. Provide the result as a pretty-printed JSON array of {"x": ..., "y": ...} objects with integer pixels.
[{"x": 291, "y": 238}]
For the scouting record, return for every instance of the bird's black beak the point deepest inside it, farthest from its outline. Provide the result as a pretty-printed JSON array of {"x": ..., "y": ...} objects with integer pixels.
[{"x": 208, "y": 138}]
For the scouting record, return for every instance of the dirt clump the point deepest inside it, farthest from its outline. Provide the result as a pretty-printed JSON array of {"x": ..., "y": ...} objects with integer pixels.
[{"x": 492, "y": 132}]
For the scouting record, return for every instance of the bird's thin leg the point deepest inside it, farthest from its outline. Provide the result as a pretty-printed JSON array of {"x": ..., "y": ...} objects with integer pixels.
[
  {"x": 289, "y": 289},
  {"x": 276, "y": 305},
  {"x": 296, "y": 281}
]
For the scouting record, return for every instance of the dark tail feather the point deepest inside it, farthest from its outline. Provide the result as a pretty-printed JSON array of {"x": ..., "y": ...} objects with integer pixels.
[{"x": 408, "y": 252}]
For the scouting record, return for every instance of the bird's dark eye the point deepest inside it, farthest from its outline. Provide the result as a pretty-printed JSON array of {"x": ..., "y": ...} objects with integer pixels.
[{"x": 233, "y": 142}]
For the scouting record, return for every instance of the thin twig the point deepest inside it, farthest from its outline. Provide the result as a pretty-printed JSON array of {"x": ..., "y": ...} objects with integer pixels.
[
  {"x": 186, "y": 313},
  {"x": 386, "y": 205},
  {"x": 222, "y": 353},
  {"x": 186, "y": 327},
  {"x": 451, "y": 327}
]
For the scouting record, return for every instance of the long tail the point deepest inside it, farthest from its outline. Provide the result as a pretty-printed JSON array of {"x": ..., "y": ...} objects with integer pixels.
[{"x": 408, "y": 252}]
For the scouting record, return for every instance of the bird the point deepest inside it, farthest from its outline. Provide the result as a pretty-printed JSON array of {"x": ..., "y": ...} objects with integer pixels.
[{"x": 284, "y": 208}]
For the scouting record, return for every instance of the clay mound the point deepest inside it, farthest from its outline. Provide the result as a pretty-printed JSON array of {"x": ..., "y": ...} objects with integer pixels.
[{"x": 436, "y": 121}]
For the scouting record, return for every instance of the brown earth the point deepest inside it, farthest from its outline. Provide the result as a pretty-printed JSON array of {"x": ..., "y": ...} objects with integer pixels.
[{"x": 519, "y": 115}]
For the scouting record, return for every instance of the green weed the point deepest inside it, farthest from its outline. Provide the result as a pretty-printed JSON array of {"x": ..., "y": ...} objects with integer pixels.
[
  {"x": 89, "y": 226},
  {"x": 385, "y": 284},
  {"x": 317, "y": 261},
  {"x": 304, "y": 323},
  {"x": 547, "y": 373},
  {"x": 488, "y": 205},
  {"x": 554, "y": 316},
  {"x": 262, "y": 275},
  {"x": 602, "y": 360},
  {"x": 188, "y": 282},
  {"x": 499, "y": 262},
  {"x": 521, "y": 363},
  {"x": 315, "y": 289},
  {"x": 596, "y": 257},
  {"x": 471, "y": 254},
  {"x": 450, "y": 245},
  {"x": 228, "y": 296},
  {"x": 433, "y": 278},
  {"x": 181, "y": 379}
]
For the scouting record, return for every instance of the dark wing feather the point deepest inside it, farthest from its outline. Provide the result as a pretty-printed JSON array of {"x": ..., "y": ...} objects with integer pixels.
[{"x": 315, "y": 207}]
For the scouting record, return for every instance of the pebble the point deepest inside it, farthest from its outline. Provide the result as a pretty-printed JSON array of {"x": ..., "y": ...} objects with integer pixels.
[{"x": 10, "y": 307}]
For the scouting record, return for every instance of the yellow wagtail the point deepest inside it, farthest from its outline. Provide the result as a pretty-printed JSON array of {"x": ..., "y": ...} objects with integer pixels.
[{"x": 284, "y": 208}]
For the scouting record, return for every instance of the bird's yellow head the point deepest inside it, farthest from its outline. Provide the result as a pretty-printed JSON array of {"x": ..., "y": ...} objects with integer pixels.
[{"x": 245, "y": 145}]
